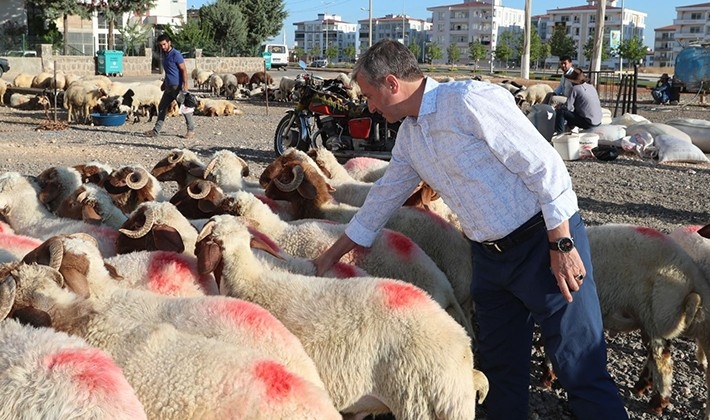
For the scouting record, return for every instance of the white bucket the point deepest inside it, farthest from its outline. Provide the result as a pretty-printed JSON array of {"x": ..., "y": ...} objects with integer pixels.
[
  {"x": 587, "y": 142},
  {"x": 567, "y": 145}
]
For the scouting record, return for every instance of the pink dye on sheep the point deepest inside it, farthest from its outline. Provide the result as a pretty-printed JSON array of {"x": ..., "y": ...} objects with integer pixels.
[{"x": 401, "y": 295}]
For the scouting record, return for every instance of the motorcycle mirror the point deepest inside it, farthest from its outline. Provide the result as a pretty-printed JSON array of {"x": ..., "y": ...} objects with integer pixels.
[{"x": 302, "y": 64}]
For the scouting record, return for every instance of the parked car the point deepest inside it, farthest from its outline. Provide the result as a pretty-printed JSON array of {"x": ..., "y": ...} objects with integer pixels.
[
  {"x": 319, "y": 63},
  {"x": 4, "y": 66}
]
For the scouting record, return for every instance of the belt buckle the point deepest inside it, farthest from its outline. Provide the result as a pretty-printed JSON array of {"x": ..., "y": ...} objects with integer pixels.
[{"x": 493, "y": 245}]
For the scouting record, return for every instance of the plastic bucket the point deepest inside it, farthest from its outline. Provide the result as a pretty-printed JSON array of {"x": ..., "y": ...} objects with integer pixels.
[
  {"x": 587, "y": 142},
  {"x": 567, "y": 145}
]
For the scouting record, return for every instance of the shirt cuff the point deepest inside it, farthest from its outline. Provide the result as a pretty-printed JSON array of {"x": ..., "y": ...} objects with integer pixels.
[
  {"x": 560, "y": 209},
  {"x": 360, "y": 234}
]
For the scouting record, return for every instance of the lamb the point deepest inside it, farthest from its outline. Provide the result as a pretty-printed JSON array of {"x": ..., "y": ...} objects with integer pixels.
[
  {"x": 49, "y": 374},
  {"x": 80, "y": 98},
  {"x": 180, "y": 165},
  {"x": 130, "y": 186},
  {"x": 156, "y": 226},
  {"x": 24, "y": 212},
  {"x": 286, "y": 87},
  {"x": 534, "y": 94},
  {"x": 215, "y": 83},
  {"x": 23, "y": 80},
  {"x": 308, "y": 192},
  {"x": 30, "y": 102},
  {"x": 92, "y": 204},
  {"x": 3, "y": 88},
  {"x": 392, "y": 255},
  {"x": 58, "y": 183},
  {"x": 156, "y": 341},
  {"x": 401, "y": 321},
  {"x": 228, "y": 170},
  {"x": 216, "y": 107}
]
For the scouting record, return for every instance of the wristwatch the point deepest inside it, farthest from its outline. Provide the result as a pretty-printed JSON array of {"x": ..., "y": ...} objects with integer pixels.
[{"x": 564, "y": 245}]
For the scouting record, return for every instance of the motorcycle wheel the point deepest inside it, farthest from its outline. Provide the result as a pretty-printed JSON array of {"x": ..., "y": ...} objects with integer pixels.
[{"x": 288, "y": 133}]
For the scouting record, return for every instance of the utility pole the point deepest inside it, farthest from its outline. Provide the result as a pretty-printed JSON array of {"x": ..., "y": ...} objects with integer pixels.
[{"x": 621, "y": 36}]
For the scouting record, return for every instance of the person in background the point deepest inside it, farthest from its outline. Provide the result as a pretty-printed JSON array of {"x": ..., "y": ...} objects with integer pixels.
[
  {"x": 582, "y": 108},
  {"x": 661, "y": 93},
  {"x": 516, "y": 204},
  {"x": 562, "y": 90},
  {"x": 175, "y": 82}
]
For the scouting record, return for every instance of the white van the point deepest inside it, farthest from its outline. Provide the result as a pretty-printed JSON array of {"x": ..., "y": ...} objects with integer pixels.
[{"x": 279, "y": 55}]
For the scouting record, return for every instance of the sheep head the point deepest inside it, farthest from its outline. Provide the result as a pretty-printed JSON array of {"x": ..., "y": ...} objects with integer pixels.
[
  {"x": 141, "y": 233},
  {"x": 301, "y": 185},
  {"x": 181, "y": 166},
  {"x": 80, "y": 205},
  {"x": 130, "y": 186},
  {"x": 201, "y": 199},
  {"x": 51, "y": 185},
  {"x": 92, "y": 172},
  {"x": 73, "y": 267},
  {"x": 422, "y": 196},
  {"x": 290, "y": 155}
]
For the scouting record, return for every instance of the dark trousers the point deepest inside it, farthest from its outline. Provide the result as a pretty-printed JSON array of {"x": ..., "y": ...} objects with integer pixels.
[
  {"x": 169, "y": 95},
  {"x": 564, "y": 115},
  {"x": 515, "y": 289}
]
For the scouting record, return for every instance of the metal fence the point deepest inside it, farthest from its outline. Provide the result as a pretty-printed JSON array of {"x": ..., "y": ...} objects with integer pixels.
[{"x": 616, "y": 91}]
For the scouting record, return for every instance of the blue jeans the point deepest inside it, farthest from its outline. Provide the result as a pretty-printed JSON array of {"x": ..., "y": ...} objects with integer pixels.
[{"x": 515, "y": 289}]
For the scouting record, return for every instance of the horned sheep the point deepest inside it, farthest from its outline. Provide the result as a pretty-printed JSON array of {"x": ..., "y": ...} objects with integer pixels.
[
  {"x": 366, "y": 169},
  {"x": 92, "y": 204},
  {"x": 401, "y": 320},
  {"x": 228, "y": 170},
  {"x": 132, "y": 185},
  {"x": 180, "y": 165},
  {"x": 58, "y": 183},
  {"x": 157, "y": 226}
]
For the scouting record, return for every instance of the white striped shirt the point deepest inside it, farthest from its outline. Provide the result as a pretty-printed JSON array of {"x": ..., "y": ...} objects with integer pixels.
[{"x": 473, "y": 146}]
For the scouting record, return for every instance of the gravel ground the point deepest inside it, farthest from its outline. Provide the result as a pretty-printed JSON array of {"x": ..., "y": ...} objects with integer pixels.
[{"x": 627, "y": 190}]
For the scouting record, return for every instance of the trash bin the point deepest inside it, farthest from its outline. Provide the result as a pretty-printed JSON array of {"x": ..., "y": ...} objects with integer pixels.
[{"x": 109, "y": 63}]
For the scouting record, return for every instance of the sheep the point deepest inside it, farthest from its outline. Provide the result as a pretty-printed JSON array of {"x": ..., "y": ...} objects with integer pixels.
[
  {"x": 92, "y": 204},
  {"x": 242, "y": 79},
  {"x": 260, "y": 78},
  {"x": 58, "y": 183},
  {"x": 646, "y": 281},
  {"x": 308, "y": 192},
  {"x": 99, "y": 80},
  {"x": 13, "y": 246},
  {"x": 202, "y": 77},
  {"x": 80, "y": 98},
  {"x": 351, "y": 86},
  {"x": 230, "y": 86},
  {"x": 30, "y": 102},
  {"x": 180, "y": 165},
  {"x": 392, "y": 255},
  {"x": 534, "y": 94},
  {"x": 228, "y": 170},
  {"x": 215, "y": 83},
  {"x": 43, "y": 80},
  {"x": 3, "y": 88},
  {"x": 21, "y": 208},
  {"x": 366, "y": 372},
  {"x": 156, "y": 341},
  {"x": 216, "y": 107},
  {"x": 49, "y": 374},
  {"x": 286, "y": 87},
  {"x": 366, "y": 169},
  {"x": 156, "y": 226},
  {"x": 132, "y": 185},
  {"x": 23, "y": 80},
  {"x": 93, "y": 172}
]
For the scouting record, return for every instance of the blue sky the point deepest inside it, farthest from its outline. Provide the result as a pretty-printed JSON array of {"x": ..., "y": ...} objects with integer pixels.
[{"x": 659, "y": 12}]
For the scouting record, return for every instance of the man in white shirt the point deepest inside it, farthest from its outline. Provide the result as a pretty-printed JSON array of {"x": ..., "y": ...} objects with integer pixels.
[
  {"x": 514, "y": 198},
  {"x": 561, "y": 92}
]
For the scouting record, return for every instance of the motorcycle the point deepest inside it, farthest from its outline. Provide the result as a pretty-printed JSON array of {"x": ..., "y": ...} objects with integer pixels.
[{"x": 325, "y": 116}]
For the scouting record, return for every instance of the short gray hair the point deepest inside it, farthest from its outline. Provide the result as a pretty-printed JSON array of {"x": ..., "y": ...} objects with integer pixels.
[{"x": 387, "y": 57}]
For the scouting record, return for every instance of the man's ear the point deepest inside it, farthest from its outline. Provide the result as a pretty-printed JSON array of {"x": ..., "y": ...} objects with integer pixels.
[{"x": 391, "y": 83}]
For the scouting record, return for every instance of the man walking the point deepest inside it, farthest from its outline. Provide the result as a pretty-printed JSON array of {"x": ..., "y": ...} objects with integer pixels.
[{"x": 174, "y": 83}]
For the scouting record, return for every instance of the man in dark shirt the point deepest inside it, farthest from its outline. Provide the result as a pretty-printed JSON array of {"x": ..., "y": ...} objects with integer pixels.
[
  {"x": 582, "y": 108},
  {"x": 174, "y": 83}
]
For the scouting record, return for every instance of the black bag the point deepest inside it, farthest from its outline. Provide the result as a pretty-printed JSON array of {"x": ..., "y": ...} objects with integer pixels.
[
  {"x": 605, "y": 152},
  {"x": 190, "y": 101}
]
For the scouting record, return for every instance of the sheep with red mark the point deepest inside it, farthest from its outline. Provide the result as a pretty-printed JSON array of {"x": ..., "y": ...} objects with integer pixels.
[
  {"x": 46, "y": 374},
  {"x": 249, "y": 363},
  {"x": 58, "y": 183},
  {"x": 157, "y": 226},
  {"x": 409, "y": 342},
  {"x": 21, "y": 208},
  {"x": 132, "y": 185},
  {"x": 92, "y": 204},
  {"x": 366, "y": 169},
  {"x": 13, "y": 246},
  {"x": 392, "y": 255},
  {"x": 180, "y": 165},
  {"x": 646, "y": 281},
  {"x": 308, "y": 192}
]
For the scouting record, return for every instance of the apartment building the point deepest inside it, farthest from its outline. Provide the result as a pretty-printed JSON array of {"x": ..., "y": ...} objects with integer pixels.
[
  {"x": 327, "y": 30},
  {"x": 471, "y": 21},
  {"x": 405, "y": 29},
  {"x": 663, "y": 46},
  {"x": 692, "y": 26}
]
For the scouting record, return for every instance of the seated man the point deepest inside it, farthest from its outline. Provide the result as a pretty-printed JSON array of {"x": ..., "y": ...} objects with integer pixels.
[
  {"x": 561, "y": 92},
  {"x": 661, "y": 93},
  {"x": 582, "y": 108}
]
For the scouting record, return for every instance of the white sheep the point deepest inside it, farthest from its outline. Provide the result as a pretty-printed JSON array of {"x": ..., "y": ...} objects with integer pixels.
[
  {"x": 534, "y": 94},
  {"x": 27, "y": 215},
  {"x": 23, "y": 80},
  {"x": 228, "y": 170},
  {"x": 92, "y": 204},
  {"x": 3, "y": 88},
  {"x": 206, "y": 357},
  {"x": 230, "y": 85},
  {"x": 58, "y": 183},
  {"x": 408, "y": 343},
  {"x": 366, "y": 169},
  {"x": 157, "y": 226},
  {"x": 79, "y": 98},
  {"x": 180, "y": 165},
  {"x": 215, "y": 83},
  {"x": 308, "y": 192},
  {"x": 42, "y": 80},
  {"x": 48, "y": 374},
  {"x": 286, "y": 87},
  {"x": 201, "y": 78},
  {"x": 216, "y": 107}
]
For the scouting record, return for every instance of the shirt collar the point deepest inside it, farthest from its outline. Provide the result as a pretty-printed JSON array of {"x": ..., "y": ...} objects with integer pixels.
[{"x": 428, "y": 105}]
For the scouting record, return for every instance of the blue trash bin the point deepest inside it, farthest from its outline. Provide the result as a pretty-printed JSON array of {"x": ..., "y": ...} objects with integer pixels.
[{"x": 109, "y": 63}]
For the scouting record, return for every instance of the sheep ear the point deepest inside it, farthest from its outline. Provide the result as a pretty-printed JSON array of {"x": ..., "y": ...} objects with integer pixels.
[
  {"x": 307, "y": 190},
  {"x": 166, "y": 238},
  {"x": 258, "y": 243},
  {"x": 32, "y": 316},
  {"x": 704, "y": 231},
  {"x": 209, "y": 255},
  {"x": 89, "y": 214},
  {"x": 206, "y": 206},
  {"x": 197, "y": 171}
]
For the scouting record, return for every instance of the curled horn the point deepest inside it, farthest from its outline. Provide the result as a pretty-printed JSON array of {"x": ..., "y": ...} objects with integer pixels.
[
  {"x": 56, "y": 253},
  {"x": 7, "y": 296},
  {"x": 51, "y": 251},
  {"x": 147, "y": 226},
  {"x": 206, "y": 230},
  {"x": 209, "y": 168},
  {"x": 203, "y": 188},
  {"x": 137, "y": 179},
  {"x": 291, "y": 186},
  {"x": 83, "y": 195},
  {"x": 176, "y": 156}
]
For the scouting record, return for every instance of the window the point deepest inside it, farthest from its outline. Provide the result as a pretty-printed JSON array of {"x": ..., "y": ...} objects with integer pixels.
[
  {"x": 696, "y": 16},
  {"x": 592, "y": 19},
  {"x": 695, "y": 30}
]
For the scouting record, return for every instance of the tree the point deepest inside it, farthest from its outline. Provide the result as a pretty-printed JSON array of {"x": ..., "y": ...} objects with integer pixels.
[
  {"x": 300, "y": 53},
  {"x": 433, "y": 52},
  {"x": 562, "y": 44},
  {"x": 544, "y": 52},
  {"x": 331, "y": 52},
  {"x": 476, "y": 52},
  {"x": 504, "y": 49},
  {"x": 315, "y": 51},
  {"x": 453, "y": 53},
  {"x": 414, "y": 48},
  {"x": 225, "y": 21},
  {"x": 113, "y": 9},
  {"x": 135, "y": 35},
  {"x": 536, "y": 46},
  {"x": 633, "y": 49},
  {"x": 191, "y": 35},
  {"x": 264, "y": 19},
  {"x": 349, "y": 51},
  {"x": 589, "y": 50},
  {"x": 55, "y": 9}
]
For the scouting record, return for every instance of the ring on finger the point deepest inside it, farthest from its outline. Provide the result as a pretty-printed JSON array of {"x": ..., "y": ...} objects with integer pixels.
[{"x": 579, "y": 277}]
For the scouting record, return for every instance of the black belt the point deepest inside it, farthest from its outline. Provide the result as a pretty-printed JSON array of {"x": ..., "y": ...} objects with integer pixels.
[{"x": 517, "y": 236}]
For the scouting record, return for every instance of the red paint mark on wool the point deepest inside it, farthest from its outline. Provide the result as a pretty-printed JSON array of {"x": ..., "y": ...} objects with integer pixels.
[
  {"x": 400, "y": 243},
  {"x": 264, "y": 237},
  {"x": 169, "y": 272},
  {"x": 90, "y": 368},
  {"x": 401, "y": 295},
  {"x": 5, "y": 228},
  {"x": 650, "y": 232},
  {"x": 19, "y": 242},
  {"x": 278, "y": 382},
  {"x": 273, "y": 205},
  {"x": 435, "y": 218},
  {"x": 692, "y": 228},
  {"x": 360, "y": 163},
  {"x": 246, "y": 314},
  {"x": 344, "y": 271}
]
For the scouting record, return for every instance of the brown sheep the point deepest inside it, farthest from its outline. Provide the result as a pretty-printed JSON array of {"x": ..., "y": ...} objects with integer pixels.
[{"x": 259, "y": 78}]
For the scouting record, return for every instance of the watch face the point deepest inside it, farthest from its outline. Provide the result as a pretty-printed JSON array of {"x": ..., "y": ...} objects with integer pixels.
[{"x": 565, "y": 244}]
